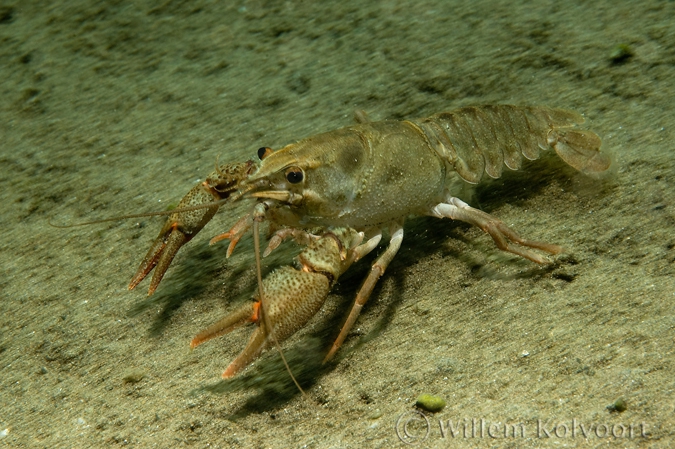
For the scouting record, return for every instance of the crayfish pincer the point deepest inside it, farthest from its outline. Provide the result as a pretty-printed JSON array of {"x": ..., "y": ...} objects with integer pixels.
[
  {"x": 334, "y": 191},
  {"x": 192, "y": 213},
  {"x": 294, "y": 296}
]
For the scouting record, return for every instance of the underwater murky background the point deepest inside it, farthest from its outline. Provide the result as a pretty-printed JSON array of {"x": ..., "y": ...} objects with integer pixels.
[{"x": 112, "y": 108}]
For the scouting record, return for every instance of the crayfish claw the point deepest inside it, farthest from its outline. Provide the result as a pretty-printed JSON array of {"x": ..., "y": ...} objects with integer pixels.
[
  {"x": 250, "y": 312},
  {"x": 256, "y": 345},
  {"x": 177, "y": 231},
  {"x": 193, "y": 212},
  {"x": 292, "y": 296},
  {"x": 160, "y": 255},
  {"x": 148, "y": 263},
  {"x": 175, "y": 240},
  {"x": 246, "y": 313},
  {"x": 234, "y": 234}
]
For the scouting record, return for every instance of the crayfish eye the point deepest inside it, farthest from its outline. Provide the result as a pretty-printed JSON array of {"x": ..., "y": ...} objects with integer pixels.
[
  {"x": 294, "y": 175},
  {"x": 263, "y": 152}
]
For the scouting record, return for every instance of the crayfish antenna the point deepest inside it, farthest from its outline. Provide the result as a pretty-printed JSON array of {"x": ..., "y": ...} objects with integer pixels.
[
  {"x": 141, "y": 215},
  {"x": 263, "y": 301}
]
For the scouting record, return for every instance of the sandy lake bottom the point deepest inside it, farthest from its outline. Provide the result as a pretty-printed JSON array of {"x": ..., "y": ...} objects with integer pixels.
[{"x": 121, "y": 107}]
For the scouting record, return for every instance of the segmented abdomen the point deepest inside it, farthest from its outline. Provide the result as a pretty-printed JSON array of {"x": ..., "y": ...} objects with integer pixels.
[{"x": 481, "y": 139}]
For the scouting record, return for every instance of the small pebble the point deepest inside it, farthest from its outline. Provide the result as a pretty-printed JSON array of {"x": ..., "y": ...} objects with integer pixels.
[
  {"x": 430, "y": 403},
  {"x": 618, "y": 406},
  {"x": 620, "y": 53},
  {"x": 132, "y": 377}
]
